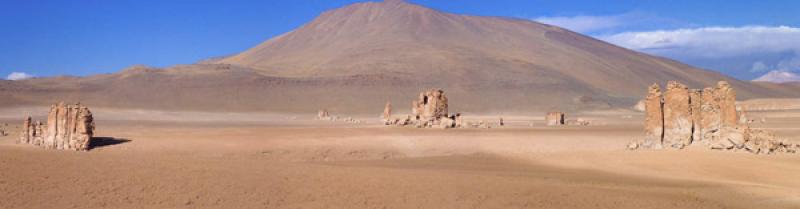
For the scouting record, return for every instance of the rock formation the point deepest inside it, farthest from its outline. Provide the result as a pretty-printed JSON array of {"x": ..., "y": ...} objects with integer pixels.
[
  {"x": 579, "y": 122},
  {"x": 555, "y": 118},
  {"x": 387, "y": 111},
  {"x": 323, "y": 115},
  {"x": 709, "y": 116},
  {"x": 69, "y": 127},
  {"x": 683, "y": 117},
  {"x": 654, "y": 116},
  {"x": 431, "y": 106},
  {"x": 727, "y": 104},
  {"x": 430, "y": 110},
  {"x": 677, "y": 116},
  {"x": 640, "y": 105},
  {"x": 3, "y": 130}
]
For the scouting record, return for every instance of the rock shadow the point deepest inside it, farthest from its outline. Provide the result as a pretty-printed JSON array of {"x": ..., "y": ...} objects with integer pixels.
[{"x": 97, "y": 142}]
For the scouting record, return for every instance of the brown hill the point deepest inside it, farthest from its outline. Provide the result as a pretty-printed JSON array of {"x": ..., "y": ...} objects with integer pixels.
[{"x": 355, "y": 58}]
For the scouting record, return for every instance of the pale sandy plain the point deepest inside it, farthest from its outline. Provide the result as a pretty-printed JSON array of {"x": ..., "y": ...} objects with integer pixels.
[{"x": 155, "y": 159}]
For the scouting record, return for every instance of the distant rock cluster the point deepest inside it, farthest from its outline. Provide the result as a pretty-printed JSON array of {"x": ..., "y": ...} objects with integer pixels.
[
  {"x": 325, "y": 115},
  {"x": 69, "y": 127},
  {"x": 560, "y": 119},
  {"x": 681, "y": 117},
  {"x": 3, "y": 130},
  {"x": 430, "y": 110}
]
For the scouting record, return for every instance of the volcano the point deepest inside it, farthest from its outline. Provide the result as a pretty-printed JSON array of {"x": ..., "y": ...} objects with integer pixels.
[{"x": 358, "y": 57}]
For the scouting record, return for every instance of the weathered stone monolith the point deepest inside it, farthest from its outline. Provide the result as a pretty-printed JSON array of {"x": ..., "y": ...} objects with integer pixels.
[
  {"x": 709, "y": 116},
  {"x": 654, "y": 116},
  {"x": 69, "y": 127},
  {"x": 24, "y": 134},
  {"x": 555, "y": 118},
  {"x": 727, "y": 104},
  {"x": 387, "y": 111},
  {"x": 431, "y": 106},
  {"x": 323, "y": 115},
  {"x": 677, "y": 116}
]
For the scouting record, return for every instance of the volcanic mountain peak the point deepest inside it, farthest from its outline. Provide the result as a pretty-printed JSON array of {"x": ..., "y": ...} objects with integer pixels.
[
  {"x": 399, "y": 39},
  {"x": 359, "y": 56}
]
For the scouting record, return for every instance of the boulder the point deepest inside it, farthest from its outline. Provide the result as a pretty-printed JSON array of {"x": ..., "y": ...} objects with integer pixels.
[
  {"x": 764, "y": 142},
  {"x": 640, "y": 105},
  {"x": 459, "y": 121},
  {"x": 743, "y": 119},
  {"x": 446, "y": 123},
  {"x": 633, "y": 145}
]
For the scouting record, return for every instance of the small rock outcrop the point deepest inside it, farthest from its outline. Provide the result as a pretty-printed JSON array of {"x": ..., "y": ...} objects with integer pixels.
[
  {"x": 555, "y": 119},
  {"x": 69, "y": 127},
  {"x": 683, "y": 117},
  {"x": 3, "y": 130},
  {"x": 323, "y": 115}
]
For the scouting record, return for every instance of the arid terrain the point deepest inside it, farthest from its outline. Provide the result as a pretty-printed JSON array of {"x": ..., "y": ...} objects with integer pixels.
[
  {"x": 165, "y": 159},
  {"x": 295, "y": 122}
]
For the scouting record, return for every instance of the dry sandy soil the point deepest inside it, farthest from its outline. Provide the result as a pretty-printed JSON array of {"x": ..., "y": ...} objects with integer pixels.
[{"x": 150, "y": 159}]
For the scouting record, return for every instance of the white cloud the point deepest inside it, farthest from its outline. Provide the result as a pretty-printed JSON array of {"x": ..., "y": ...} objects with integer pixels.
[
  {"x": 584, "y": 24},
  {"x": 15, "y": 76},
  {"x": 789, "y": 65},
  {"x": 608, "y": 23},
  {"x": 712, "y": 42}
]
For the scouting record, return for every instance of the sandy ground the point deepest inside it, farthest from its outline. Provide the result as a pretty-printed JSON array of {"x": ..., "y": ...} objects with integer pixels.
[{"x": 152, "y": 159}]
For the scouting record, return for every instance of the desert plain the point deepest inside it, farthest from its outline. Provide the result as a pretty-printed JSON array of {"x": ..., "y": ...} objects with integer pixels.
[
  {"x": 241, "y": 130},
  {"x": 173, "y": 159}
]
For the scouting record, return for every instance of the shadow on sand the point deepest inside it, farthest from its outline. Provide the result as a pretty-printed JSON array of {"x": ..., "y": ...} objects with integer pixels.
[{"x": 105, "y": 141}]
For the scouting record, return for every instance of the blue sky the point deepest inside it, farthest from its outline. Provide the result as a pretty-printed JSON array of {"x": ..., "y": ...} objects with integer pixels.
[{"x": 83, "y": 37}]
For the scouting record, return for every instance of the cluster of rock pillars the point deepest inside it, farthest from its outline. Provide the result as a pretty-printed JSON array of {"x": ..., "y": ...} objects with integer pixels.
[
  {"x": 681, "y": 117},
  {"x": 69, "y": 127}
]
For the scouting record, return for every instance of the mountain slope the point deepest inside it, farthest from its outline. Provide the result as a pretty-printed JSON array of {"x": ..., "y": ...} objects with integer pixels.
[
  {"x": 355, "y": 58},
  {"x": 397, "y": 38}
]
